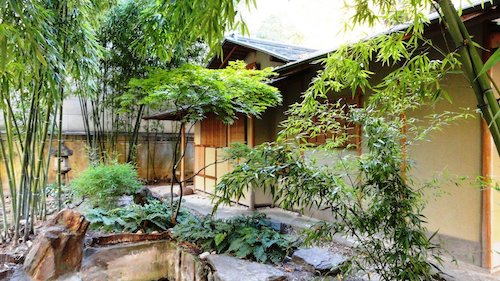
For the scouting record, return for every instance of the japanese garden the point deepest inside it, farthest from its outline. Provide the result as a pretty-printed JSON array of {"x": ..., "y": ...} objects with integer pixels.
[{"x": 233, "y": 140}]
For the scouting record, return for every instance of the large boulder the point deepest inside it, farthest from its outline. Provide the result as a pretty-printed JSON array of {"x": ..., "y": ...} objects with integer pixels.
[
  {"x": 59, "y": 247},
  {"x": 228, "y": 268}
]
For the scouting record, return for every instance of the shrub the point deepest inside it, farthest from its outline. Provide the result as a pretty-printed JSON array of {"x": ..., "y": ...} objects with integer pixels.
[
  {"x": 103, "y": 184},
  {"x": 245, "y": 237},
  {"x": 154, "y": 215}
]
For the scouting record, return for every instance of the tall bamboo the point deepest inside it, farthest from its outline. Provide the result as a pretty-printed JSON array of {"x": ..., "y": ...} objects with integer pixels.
[{"x": 472, "y": 64}]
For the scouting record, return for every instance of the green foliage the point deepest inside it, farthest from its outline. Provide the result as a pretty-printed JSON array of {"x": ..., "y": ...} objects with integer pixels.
[
  {"x": 492, "y": 61},
  {"x": 153, "y": 216},
  {"x": 120, "y": 28},
  {"x": 44, "y": 47},
  {"x": 245, "y": 237},
  {"x": 415, "y": 56},
  {"x": 168, "y": 24},
  {"x": 271, "y": 167},
  {"x": 371, "y": 198},
  {"x": 192, "y": 92},
  {"x": 198, "y": 91},
  {"x": 103, "y": 184}
]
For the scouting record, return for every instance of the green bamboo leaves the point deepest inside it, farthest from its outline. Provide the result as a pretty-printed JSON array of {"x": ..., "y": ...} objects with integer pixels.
[{"x": 46, "y": 46}]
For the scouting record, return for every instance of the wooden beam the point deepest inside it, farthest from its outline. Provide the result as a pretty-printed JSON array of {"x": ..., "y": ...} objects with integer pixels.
[{"x": 228, "y": 57}]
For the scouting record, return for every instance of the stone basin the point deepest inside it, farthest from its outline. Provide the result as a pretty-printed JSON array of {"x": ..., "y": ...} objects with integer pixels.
[
  {"x": 143, "y": 261},
  {"x": 140, "y": 262}
]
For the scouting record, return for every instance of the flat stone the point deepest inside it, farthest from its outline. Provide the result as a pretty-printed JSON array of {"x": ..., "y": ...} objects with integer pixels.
[
  {"x": 278, "y": 226},
  {"x": 228, "y": 268},
  {"x": 317, "y": 259}
]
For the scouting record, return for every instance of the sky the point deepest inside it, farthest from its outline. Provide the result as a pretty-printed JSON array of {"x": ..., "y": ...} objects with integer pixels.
[{"x": 318, "y": 24}]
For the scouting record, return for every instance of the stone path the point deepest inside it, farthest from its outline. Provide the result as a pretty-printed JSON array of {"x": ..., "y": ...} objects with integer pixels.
[
  {"x": 317, "y": 259},
  {"x": 233, "y": 269},
  {"x": 201, "y": 203}
]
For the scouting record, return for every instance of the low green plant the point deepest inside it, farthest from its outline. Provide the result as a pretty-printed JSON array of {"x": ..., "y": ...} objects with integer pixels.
[
  {"x": 152, "y": 216},
  {"x": 103, "y": 184},
  {"x": 245, "y": 237}
]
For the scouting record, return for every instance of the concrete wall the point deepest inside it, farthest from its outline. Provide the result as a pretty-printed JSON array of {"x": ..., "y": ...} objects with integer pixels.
[
  {"x": 158, "y": 167},
  {"x": 73, "y": 119}
]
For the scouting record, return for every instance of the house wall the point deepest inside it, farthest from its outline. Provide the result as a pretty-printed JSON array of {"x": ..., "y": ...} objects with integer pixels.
[
  {"x": 454, "y": 206},
  {"x": 264, "y": 60},
  {"x": 495, "y": 177},
  {"x": 211, "y": 174},
  {"x": 449, "y": 154},
  {"x": 257, "y": 131}
]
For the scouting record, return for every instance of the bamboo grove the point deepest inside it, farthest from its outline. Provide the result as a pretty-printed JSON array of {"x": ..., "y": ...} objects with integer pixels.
[
  {"x": 53, "y": 49},
  {"x": 47, "y": 47}
]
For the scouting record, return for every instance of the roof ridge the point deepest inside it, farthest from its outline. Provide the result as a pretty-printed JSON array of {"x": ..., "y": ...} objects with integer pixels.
[{"x": 238, "y": 37}]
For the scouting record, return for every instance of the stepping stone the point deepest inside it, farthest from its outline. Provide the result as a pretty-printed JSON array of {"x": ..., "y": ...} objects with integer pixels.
[
  {"x": 317, "y": 259},
  {"x": 234, "y": 269}
]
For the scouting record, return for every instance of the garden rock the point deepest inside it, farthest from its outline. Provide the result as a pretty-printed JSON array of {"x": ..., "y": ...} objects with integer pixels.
[
  {"x": 204, "y": 255},
  {"x": 317, "y": 259},
  {"x": 59, "y": 247},
  {"x": 187, "y": 190},
  {"x": 228, "y": 268},
  {"x": 278, "y": 226}
]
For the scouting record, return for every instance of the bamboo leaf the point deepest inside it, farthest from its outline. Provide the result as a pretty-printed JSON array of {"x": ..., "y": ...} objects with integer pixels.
[{"x": 491, "y": 62}]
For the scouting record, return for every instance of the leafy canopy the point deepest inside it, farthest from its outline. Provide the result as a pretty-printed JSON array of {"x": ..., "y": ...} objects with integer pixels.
[
  {"x": 198, "y": 91},
  {"x": 168, "y": 24}
]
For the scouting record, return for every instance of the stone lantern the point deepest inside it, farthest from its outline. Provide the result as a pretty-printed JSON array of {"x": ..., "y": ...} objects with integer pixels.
[{"x": 63, "y": 158}]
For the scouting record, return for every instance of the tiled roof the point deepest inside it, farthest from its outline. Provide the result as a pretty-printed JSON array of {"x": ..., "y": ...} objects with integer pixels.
[
  {"x": 468, "y": 7},
  {"x": 279, "y": 50}
]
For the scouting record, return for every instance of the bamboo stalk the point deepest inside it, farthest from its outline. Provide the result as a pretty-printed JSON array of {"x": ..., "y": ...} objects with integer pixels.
[
  {"x": 59, "y": 149},
  {"x": 39, "y": 160},
  {"x": 472, "y": 64},
  {"x": 135, "y": 136}
]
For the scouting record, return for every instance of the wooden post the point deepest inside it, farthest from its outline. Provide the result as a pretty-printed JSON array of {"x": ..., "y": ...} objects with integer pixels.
[
  {"x": 486, "y": 172},
  {"x": 183, "y": 150},
  {"x": 251, "y": 143},
  {"x": 486, "y": 196}
]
